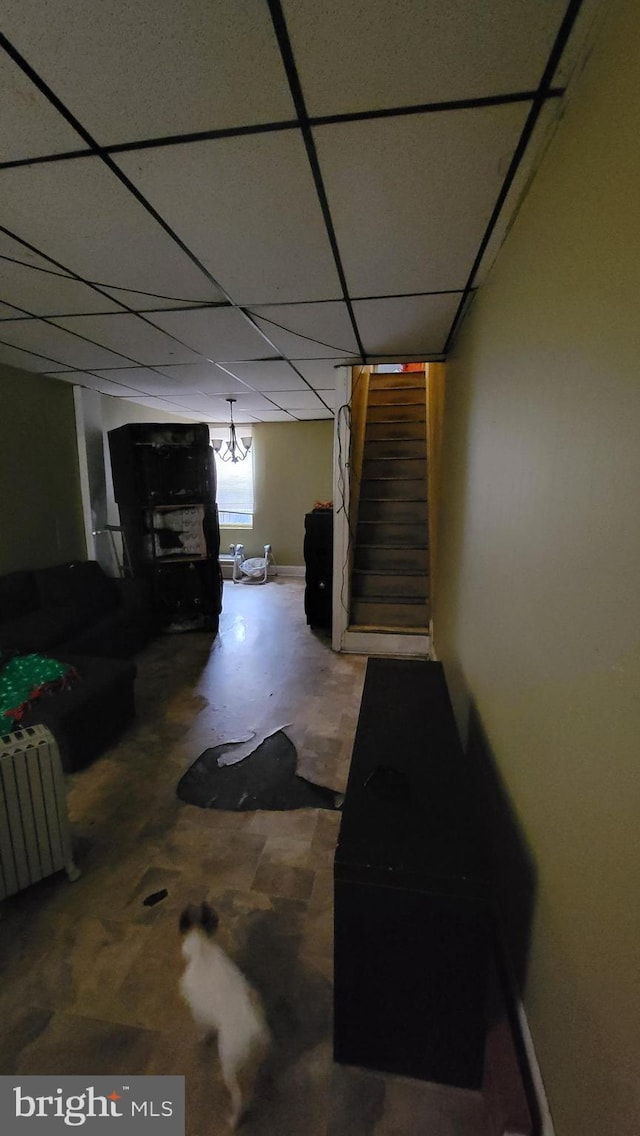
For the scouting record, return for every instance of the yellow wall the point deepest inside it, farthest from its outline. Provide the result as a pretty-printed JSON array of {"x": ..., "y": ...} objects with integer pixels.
[
  {"x": 40, "y": 507},
  {"x": 538, "y": 603},
  {"x": 293, "y": 469}
]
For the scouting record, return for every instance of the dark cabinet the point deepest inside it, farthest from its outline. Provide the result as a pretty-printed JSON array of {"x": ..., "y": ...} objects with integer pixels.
[
  {"x": 165, "y": 485},
  {"x": 318, "y": 559},
  {"x": 412, "y": 927}
]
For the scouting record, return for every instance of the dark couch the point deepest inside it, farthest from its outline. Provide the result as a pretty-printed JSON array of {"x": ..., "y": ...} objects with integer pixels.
[{"x": 75, "y": 613}]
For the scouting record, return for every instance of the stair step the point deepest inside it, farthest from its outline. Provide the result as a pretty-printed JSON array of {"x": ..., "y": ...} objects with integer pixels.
[
  {"x": 414, "y": 412},
  {"x": 390, "y": 614},
  {"x": 392, "y": 468},
  {"x": 388, "y": 534},
  {"x": 397, "y": 512},
  {"x": 407, "y": 379},
  {"x": 396, "y": 448},
  {"x": 392, "y": 431},
  {"x": 382, "y": 558},
  {"x": 397, "y": 586},
  {"x": 398, "y": 396},
  {"x": 393, "y": 489}
]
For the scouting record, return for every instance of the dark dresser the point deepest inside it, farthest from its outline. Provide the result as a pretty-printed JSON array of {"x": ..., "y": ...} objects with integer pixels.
[{"x": 412, "y": 926}]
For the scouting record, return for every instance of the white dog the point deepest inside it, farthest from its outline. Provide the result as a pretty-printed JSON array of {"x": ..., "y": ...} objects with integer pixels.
[{"x": 221, "y": 1000}]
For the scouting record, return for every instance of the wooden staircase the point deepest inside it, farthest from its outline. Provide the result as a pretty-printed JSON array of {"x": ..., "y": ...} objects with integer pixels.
[{"x": 390, "y": 574}]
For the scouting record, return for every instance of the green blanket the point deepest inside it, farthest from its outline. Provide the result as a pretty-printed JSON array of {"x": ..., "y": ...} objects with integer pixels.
[{"x": 25, "y": 678}]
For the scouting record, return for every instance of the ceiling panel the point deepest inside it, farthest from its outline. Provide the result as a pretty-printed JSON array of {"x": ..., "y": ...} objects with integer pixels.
[
  {"x": 140, "y": 70},
  {"x": 204, "y": 377},
  {"x": 98, "y": 383},
  {"x": 312, "y": 414},
  {"x": 415, "y": 222},
  {"x": 7, "y": 311},
  {"x": 79, "y": 213},
  {"x": 131, "y": 336},
  {"x": 249, "y": 206},
  {"x": 542, "y": 134},
  {"x": 29, "y": 125},
  {"x": 308, "y": 329},
  {"x": 251, "y": 402},
  {"x": 321, "y": 373},
  {"x": 275, "y": 416},
  {"x": 169, "y": 407},
  {"x": 217, "y": 333},
  {"x": 421, "y": 52},
  {"x": 148, "y": 381},
  {"x": 13, "y": 249},
  {"x": 419, "y": 324},
  {"x": 150, "y": 302},
  {"x": 267, "y": 374},
  {"x": 62, "y": 347},
  {"x": 49, "y": 294},
  {"x": 17, "y": 357},
  {"x": 296, "y": 400}
]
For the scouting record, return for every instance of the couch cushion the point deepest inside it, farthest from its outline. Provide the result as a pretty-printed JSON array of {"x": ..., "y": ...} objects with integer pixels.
[
  {"x": 42, "y": 629},
  {"x": 79, "y": 582},
  {"x": 18, "y": 595}
]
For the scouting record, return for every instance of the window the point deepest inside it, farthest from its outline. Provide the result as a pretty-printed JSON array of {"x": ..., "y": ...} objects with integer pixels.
[{"x": 235, "y": 492}]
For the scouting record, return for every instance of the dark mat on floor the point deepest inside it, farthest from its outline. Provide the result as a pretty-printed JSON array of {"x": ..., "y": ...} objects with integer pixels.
[{"x": 266, "y": 779}]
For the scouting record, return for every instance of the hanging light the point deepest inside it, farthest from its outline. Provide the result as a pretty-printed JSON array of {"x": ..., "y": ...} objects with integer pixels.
[{"x": 236, "y": 449}]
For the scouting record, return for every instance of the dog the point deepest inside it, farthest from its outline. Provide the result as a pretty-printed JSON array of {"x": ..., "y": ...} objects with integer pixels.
[{"x": 223, "y": 1002}]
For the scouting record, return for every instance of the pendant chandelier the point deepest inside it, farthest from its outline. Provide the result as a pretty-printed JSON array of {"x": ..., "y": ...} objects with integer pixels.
[{"x": 236, "y": 449}]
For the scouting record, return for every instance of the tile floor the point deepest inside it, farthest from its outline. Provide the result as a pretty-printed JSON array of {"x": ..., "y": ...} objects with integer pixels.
[{"x": 89, "y": 974}]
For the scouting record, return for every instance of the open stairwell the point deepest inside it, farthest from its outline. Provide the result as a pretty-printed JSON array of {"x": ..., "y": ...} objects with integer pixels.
[{"x": 390, "y": 574}]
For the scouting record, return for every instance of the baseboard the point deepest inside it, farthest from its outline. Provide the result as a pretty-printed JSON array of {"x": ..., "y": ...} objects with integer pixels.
[
  {"x": 519, "y": 1049},
  {"x": 546, "y": 1122},
  {"x": 226, "y": 565}
]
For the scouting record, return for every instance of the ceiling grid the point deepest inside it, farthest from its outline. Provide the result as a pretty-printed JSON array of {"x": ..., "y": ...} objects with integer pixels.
[{"x": 213, "y": 198}]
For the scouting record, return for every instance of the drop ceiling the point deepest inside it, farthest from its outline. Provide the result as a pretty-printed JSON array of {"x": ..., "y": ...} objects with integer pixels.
[{"x": 202, "y": 199}]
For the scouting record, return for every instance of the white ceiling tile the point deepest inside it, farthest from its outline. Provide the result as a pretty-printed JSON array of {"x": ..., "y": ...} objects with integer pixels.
[
  {"x": 140, "y": 70},
  {"x": 131, "y": 336},
  {"x": 251, "y": 402},
  {"x": 47, "y": 293},
  {"x": 7, "y": 311},
  {"x": 419, "y": 52},
  {"x": 415, "y": 226},
  {"x": 25, "y": 360},
  {"x": 585, "y": 28},
  {"x": 296, "y": 400},
  {"x": 206, "y": 377},
  {"x": 60, "y": 346},
  {"x": 148, "y": 302},
  {"x": 248, "y": 205},
  {"x": 147, "y": 381},
  {"x": 79, "y": 213},
  {"x": 217, "y": 333},
  {"x": 98, "y": 383},
  {"x": 13, "y": 249},
  {"x": 321, "y": 373},
  {"x": 169, "y": 407},
  {"x": 541, "y": 136},
  {"x": 312, "y": 415},
  {"x": 266, "y": 374},
  {"x": 407, "y": 324},
  {"x": 311, "y": 330},
  {"x": 29, "y": 125},
  {"x": 274, "y": 416}
]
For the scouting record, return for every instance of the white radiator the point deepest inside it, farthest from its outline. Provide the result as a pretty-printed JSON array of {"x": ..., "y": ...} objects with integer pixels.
[{"x": 34, "y": 825}]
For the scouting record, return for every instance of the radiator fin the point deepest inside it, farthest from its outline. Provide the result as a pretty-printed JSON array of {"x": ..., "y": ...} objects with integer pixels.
[{"x": 35, "y": 839}]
